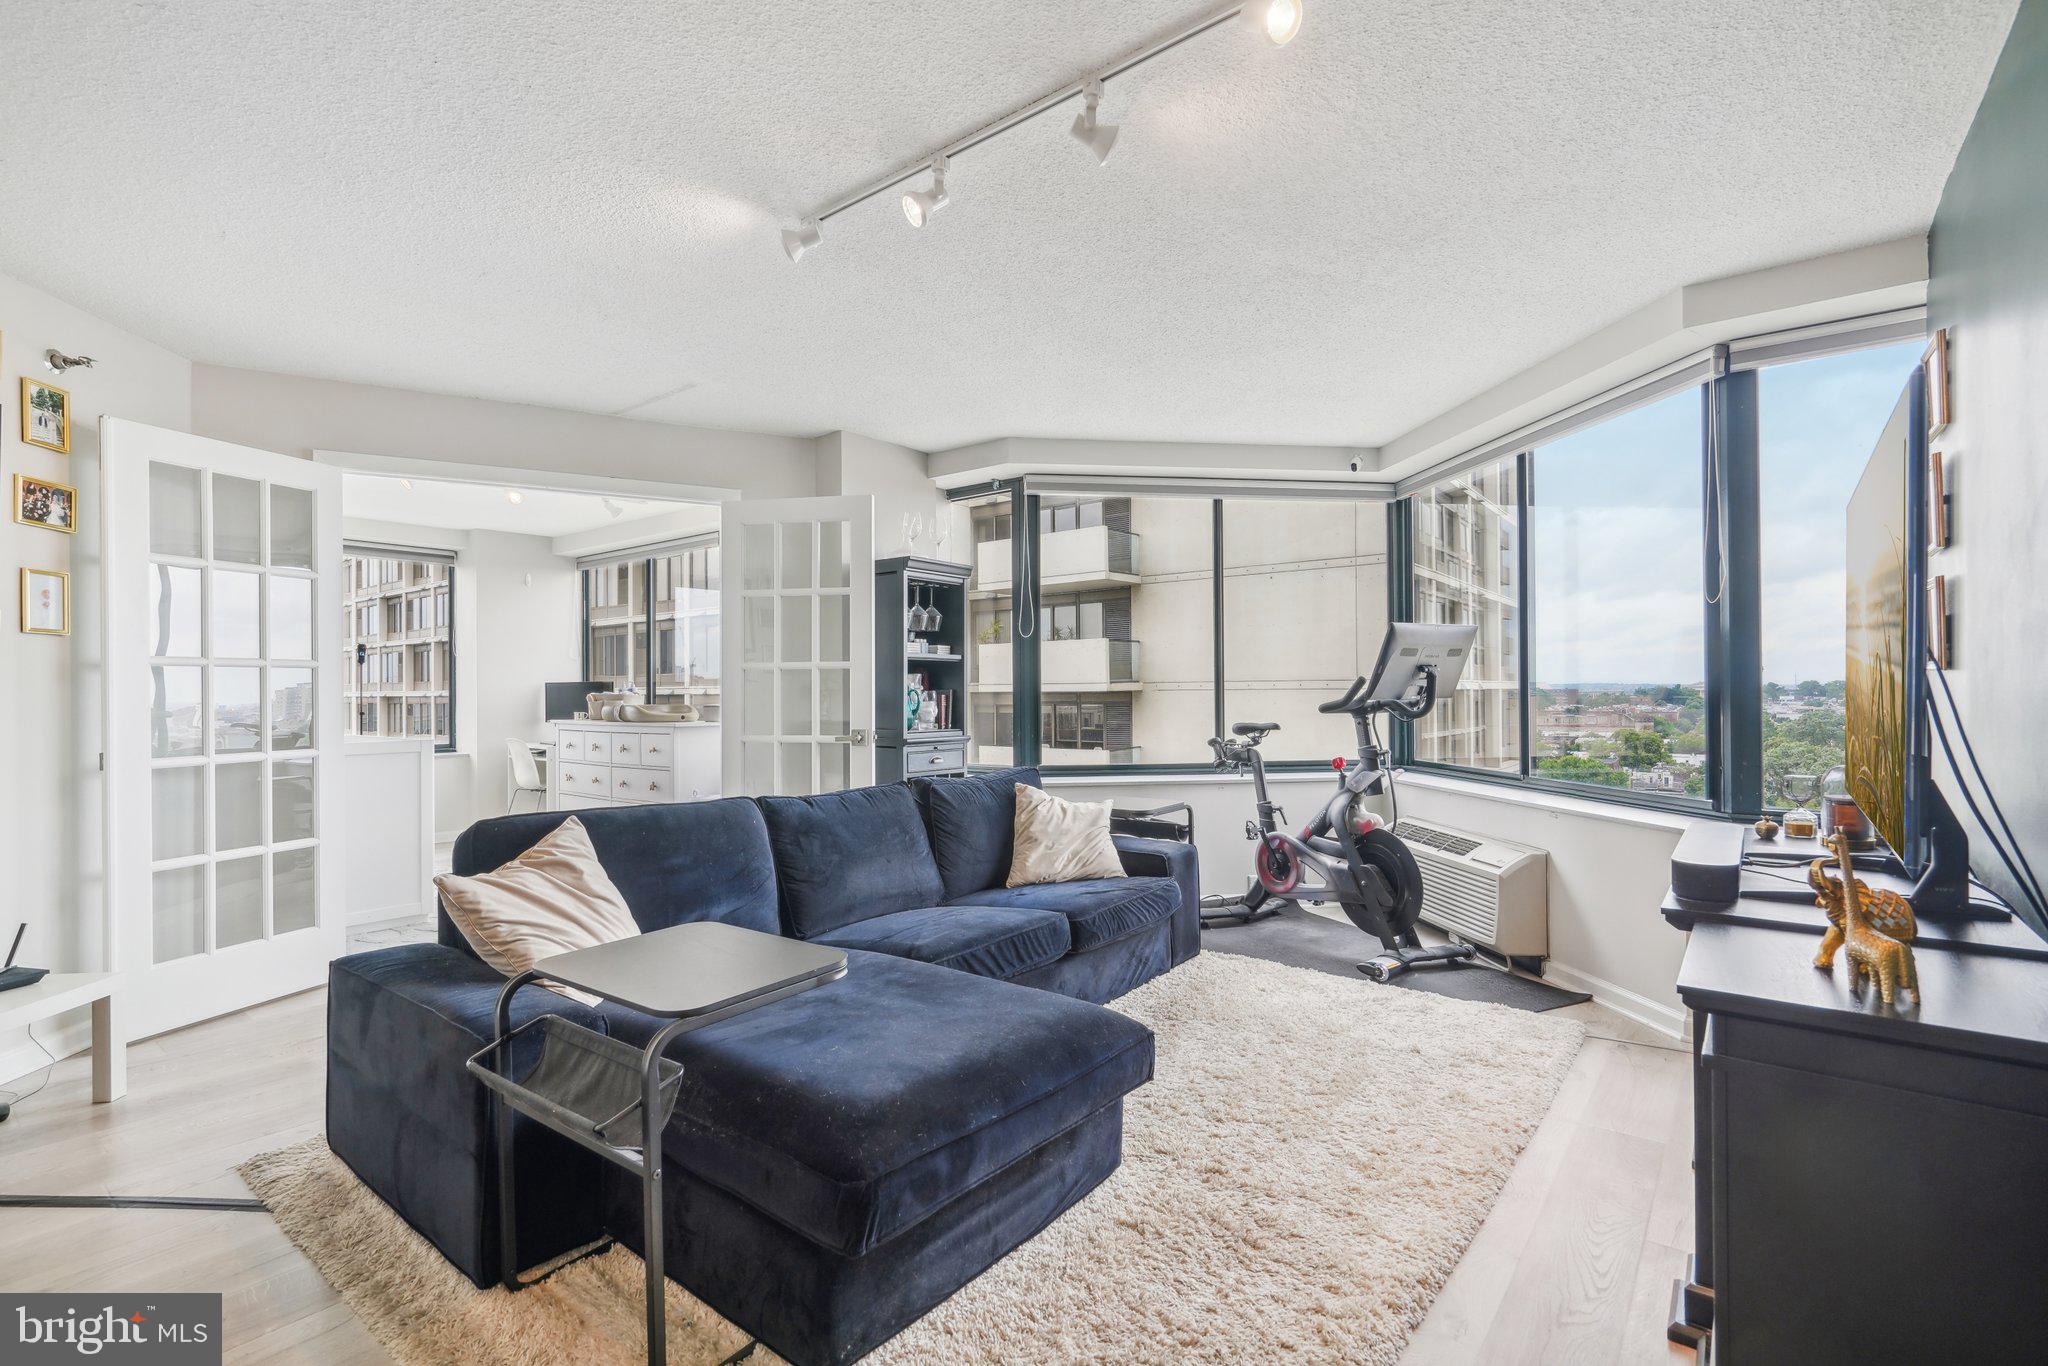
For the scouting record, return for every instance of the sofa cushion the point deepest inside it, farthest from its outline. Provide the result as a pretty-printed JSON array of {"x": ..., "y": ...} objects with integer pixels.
[
  {"x": 1098, "y": 910},
  {"x": 847, "y": 856},
  {"x": 971, "y": 823},
  {"x": 673, "y": 863},
  {"x": 850, "y": 1112},
  {"x": 992, "y": 941}
]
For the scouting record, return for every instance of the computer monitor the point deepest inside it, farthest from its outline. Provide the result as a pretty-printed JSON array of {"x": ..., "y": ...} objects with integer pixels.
[
  {"x": 1408, "y": 647},
  {"x": 564, "y": 700}
]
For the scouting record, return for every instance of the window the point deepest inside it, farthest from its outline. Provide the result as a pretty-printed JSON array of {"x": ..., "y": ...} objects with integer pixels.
[
  {"x": 992, "y": 732},
  {"x": 650, "y": 624},
  {"x": 1287, "y": 564},
  {"x": 401, "y": 646},
  {"x": 1617, "y": 648},
  {"x": 1466, "y": 544},
  {"x": 1818, "y": 421}
]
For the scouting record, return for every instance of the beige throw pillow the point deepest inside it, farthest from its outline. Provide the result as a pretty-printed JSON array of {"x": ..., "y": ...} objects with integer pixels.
[
  {"x": 1060, "y": 841},
  {"x": 553, "y": 898}
]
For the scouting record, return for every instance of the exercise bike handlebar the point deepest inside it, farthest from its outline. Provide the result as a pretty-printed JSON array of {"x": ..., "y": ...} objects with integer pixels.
[{"x": 1406, "y": 710}]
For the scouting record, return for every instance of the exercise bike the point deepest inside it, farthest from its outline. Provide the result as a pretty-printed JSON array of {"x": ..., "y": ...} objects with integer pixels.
[{"x": 1347, "y": 854}]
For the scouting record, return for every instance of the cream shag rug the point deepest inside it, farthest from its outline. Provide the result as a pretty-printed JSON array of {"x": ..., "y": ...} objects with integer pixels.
[{"x": 1300, "y": 1177}]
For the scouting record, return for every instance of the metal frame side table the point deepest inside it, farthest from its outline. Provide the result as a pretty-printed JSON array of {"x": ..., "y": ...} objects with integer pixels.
[{"x": 615, "y": 1099}]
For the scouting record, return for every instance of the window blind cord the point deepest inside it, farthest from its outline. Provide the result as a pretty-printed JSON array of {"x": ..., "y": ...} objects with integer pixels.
[
  {"x": 2030, "y": 886},
  {"x": 1720, "y": 521},
  {"x": 1024, "y": 607}
]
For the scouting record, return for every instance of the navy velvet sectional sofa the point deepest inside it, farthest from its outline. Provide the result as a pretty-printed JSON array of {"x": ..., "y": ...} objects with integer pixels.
[{"x": 841, "y": 1161}]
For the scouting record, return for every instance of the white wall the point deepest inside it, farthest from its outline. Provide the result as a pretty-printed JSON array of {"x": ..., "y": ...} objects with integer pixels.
[
  {"x": 50, "y": 804},
  {"x": 896, "y": 476},
  {"x": 298, "y": 416},
  {"x": 1609, "y": 866}
]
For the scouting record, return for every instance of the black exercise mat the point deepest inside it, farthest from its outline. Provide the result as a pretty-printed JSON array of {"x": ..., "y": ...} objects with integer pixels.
[{"x": 1301, "y": 939}]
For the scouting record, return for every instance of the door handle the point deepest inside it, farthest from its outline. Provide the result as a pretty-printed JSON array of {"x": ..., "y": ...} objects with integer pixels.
[{"x": 858, "y": 737}]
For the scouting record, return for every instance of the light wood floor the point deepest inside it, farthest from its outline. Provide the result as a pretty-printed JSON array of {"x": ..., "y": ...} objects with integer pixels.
[{"x": 1574, "y": 1264}]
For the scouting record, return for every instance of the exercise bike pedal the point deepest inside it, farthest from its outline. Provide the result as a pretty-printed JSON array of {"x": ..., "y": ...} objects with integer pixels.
[{"x": 1385, "y": 967}]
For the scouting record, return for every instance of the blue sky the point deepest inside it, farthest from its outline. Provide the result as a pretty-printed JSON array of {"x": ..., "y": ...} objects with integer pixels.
[{"x": 1616, "y": 526}]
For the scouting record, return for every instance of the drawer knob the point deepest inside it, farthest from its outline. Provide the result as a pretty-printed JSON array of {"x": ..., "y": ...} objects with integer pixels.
[{"x": 654, "y": 787}]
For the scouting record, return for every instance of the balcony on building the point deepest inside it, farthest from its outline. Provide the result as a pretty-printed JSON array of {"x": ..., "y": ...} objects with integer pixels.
[
  {"x": 1067, "y": 665},
  {"x": 1082, "y": 557}
]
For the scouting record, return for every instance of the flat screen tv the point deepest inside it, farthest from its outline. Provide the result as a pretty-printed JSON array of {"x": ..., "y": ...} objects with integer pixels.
[{"x": 1886, "y": 757}]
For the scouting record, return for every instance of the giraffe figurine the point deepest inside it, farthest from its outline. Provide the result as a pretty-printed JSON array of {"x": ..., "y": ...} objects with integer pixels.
[
  {"x": 1872, "y": 953},
  {"x": 1888, "y": 912}
]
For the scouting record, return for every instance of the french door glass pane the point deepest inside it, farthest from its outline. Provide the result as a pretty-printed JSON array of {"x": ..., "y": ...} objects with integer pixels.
[
  {"x": 293, "y": 893},
  {"x": 291, "y": 800},
  {"x": 174, "y": 511},
  {"x": 178, "y": 812},
  {"x": 291, "y": 709},
  {"x": 834, "y": 554},
  {"x": 759, "y": 760},
  {"x": 759, "y": 709},
  {"x": 238, "y": 805},
  {"x": 757, "y": 556},
  {"x": 178, "y": 913},
  {"x": 797, "y": 568},
  {"x": 174, "y": 711},
  {"x": 757, "y": 640},
  {"x": 237, "y": 615},
  {"x": 237, "y": 710},
  {"x": 237, "y": 519},
  {"x": 291, "y": 617},
  {"x": 291, "y": 527},
  {"x": 834, "y": 612},
  {"x": 834, "y": 767},
  {"x": 796, "y": 771},
  {"x": 796, "y": 701},
  {"x": 174, "y": 611},
  {"x": 796, "y": 628},
  {"x": 237, "y": 901},
  {"x": 833, "y": 701}
]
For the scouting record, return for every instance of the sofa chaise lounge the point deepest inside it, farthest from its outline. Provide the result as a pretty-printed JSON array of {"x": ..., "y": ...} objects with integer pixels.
[{"x": 840, "y": 1162}]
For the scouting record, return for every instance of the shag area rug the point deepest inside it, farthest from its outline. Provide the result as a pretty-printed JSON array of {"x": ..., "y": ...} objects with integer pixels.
[{"x": 1302, "y": 1174}]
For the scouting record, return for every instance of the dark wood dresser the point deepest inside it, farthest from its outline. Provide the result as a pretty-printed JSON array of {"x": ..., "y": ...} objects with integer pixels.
[{"x": 1870, "y": 1182}]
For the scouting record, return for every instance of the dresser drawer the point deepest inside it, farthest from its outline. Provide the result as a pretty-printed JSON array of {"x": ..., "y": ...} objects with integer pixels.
[
  {"x": 655, "y": 749},
  {"x": 572, "y": 744},
  {"x": 934, "y": 758},
  {"x": 619, "y": 749},
  {"x": 569, "y": 802},
  {"x": 641, "y": 785},
  {"x": 586, "y": 780}
]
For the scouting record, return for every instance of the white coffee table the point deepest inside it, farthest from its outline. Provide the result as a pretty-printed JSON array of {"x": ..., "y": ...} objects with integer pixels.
[{"x": 62, "y": 991}]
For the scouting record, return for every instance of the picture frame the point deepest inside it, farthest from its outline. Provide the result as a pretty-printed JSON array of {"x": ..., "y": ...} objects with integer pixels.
[
  {"x": 1940, "y": 401},
  {"x": 1937, "y": 502},
  {"x": 45, "y": 503},
  {"x": 1937, "y": 620},
  {"x": 45, "y": 415},
  {"x": 45, "y": 602}
]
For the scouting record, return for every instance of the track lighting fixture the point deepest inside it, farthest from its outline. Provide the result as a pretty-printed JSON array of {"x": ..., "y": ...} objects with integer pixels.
[
  {"x": 800, "y": 239},
  {"x": 1097, "y": 136},
  {"x": 920, "y": 205},
  {"x": 613, "y": 509},
  {"x": 1277, "y": 21}
]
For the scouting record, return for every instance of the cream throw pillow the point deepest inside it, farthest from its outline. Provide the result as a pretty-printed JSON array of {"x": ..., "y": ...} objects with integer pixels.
[
  {"x": 553, "y": 898},
  {"x": 1060, "y": 841}
]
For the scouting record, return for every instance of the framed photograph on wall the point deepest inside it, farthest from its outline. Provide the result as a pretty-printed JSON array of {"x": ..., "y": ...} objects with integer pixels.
[
  {"x": 1937, "y": 620},
  {"x": 1940, "y": 402},
  {"x": 45, "y": 602},
  {"x": 44, "y": 503},
  {"x": 45, "y": 415},
  {"x": 1937, "y": 502}
]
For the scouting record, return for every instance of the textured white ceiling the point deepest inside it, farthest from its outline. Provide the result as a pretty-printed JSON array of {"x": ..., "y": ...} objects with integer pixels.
[{"x": 1326, "y": 243}]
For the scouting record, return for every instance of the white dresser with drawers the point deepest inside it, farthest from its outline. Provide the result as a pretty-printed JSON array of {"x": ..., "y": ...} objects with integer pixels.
[{"x": 608, "y": 763}]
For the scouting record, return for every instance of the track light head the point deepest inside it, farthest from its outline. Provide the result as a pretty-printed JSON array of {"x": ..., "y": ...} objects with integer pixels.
[
  {"x": 920, "y": 205},
  {"x": 800, "y": 239},
  {"x": 1277, "y": 21},
  {"x": 514, "y": 497},
  {"x": 1097, "y": 136}
]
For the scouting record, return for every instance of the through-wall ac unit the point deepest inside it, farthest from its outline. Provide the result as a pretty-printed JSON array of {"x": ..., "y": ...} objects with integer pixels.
[{"x": 1486, "y": 891}]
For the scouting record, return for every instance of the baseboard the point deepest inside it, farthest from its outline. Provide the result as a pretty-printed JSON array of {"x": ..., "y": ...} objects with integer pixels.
[
  {"x": 383, "y": 915},
  {"x": 24, "y": 1059},
  {"x": 1665, "y": 1019}
]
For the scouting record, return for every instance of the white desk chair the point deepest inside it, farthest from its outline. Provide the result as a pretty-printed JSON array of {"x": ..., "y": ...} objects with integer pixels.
[{"x": 525, "y": 776}]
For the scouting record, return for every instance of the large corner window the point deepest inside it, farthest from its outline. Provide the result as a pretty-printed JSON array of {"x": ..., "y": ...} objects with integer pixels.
[
  {"x": 992, "y": 722},
  {"x": 1467, "y": 569},
  {"x": 651, "y": 623},
  {"x": 1818, "y": 420},
  {"x": 1617, "y": 640},
  {"x": 398, "y": 636}
]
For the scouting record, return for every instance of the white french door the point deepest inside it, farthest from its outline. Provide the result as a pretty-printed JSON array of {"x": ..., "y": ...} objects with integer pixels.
[
  {"x": 797, "y": 597},
  {"x": 224, "y": 697}
]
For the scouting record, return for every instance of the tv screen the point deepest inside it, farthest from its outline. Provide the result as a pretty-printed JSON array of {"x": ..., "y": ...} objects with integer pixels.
[{"x": 1883, "y": 688}]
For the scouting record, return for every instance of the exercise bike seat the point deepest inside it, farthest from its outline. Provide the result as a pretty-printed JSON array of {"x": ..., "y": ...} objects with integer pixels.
[{"x": 1254, "y": 727}]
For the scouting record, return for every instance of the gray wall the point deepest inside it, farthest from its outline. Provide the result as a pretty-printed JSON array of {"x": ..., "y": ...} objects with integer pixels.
[{"x": 1989, "y": 286}]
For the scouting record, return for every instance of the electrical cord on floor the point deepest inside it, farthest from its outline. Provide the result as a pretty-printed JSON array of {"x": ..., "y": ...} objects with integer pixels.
[{"x": 15, "y": 1098}]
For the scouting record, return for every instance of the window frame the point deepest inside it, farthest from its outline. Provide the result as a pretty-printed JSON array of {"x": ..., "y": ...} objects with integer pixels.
[
  {"x": 389, "y": 568},
  {"x": 648, "y": 559}
]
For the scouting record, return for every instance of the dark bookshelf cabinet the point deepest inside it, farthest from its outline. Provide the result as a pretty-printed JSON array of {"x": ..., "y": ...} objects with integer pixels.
[{"x": 900, "y": 583}]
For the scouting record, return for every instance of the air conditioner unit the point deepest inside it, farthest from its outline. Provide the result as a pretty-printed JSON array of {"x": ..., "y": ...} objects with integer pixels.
[{"x": 1485, "y": 891}]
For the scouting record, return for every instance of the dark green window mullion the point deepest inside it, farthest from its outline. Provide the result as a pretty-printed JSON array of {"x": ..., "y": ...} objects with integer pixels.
[
  {"x": 1524, "y": 471},
  {"x": 1401, "y": 601},
  {"x": 647, "y": 591},
  {"x": 1734, "y": 594},
  {"x": 1025, "y": 740},
  {"x": 1216, "y": 584}
]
